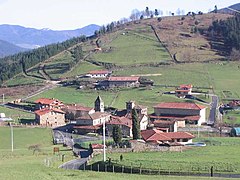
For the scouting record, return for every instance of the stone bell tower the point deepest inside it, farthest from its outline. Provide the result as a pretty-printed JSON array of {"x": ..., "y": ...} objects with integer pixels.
[{"x": 99, "y": 105}]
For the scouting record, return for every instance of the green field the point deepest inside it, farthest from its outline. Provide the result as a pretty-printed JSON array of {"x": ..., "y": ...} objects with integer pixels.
[
  {"x": 23, "y": 80},
  {"x": 116, "y": 98},
  {"x": 222, "y": 153},
  {"x": 16, "y": 114},
  {"x": 232, "y": 117},
  {"x": 132, "y": 49},
  {"x": 21, "y": 164}
]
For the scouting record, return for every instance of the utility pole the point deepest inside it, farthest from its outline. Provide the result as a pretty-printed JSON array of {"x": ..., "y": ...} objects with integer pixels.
[
  {"x": 11, "y": 135},
  {"x": 104, "y": 141}
]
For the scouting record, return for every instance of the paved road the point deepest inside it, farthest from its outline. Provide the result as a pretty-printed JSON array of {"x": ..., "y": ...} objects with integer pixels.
[
  {"x": 77, "y": 163},
  {"x": 74, "y": 164},
  {"x": 213, "y": 110}
]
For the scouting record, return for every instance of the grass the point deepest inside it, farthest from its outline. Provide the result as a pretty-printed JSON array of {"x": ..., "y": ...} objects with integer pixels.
[
  {"x": 222, "y": 153},
  {"x": 22, "y": 164},
  {"x": 82, "y": 68},
  {"x": 23, "y": 80},
  {"x": 16, "y": 114},
  {"x": 131, "y": 49},
  {"x": 232, "y": 117},
  {"x": 116, "y": 98}
]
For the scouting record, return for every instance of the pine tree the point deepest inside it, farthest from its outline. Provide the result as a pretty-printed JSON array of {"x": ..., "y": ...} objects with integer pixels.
[{"x": 135, "y": 125}]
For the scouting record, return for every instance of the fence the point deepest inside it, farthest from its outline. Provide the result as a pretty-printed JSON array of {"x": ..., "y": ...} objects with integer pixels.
[{"x": 116, "y": 168}]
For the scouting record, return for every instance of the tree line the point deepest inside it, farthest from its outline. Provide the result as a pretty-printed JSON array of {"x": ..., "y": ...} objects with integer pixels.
[
  {"x": 15, "y": 64},
  {"x": 229, "y": 30}
]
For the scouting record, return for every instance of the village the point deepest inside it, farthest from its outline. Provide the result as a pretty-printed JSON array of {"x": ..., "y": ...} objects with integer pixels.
[{"x": 160, "y": 126}]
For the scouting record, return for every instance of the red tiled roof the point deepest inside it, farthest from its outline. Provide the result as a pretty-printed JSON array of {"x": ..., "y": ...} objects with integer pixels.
[
  {"x": 176, "y": 118},
  {"x": 179, "y": 105},
  {"x": 41, "y": 112},
  {"x": 180, "y": 135},
  {"x": 120, "y": 121},
  {"x": 97, "y": 146},
  {"x": 48, "y": 101},
  {"x": 188, "y": 86},
  {"x": 126, "y": 78},
  {"x": 99, "y": 72},
  {"x": 156, "y": 135}
]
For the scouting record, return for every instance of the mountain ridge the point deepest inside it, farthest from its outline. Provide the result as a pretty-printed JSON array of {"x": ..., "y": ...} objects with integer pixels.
[
  {"x": 32, "y": 38},
  {"x": 7, "y": 48},
  {"x": 228, "y": 10}
]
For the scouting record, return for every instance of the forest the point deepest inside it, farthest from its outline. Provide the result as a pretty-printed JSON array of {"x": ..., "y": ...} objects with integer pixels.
[
  {"x": 229, "y": 30},
  {"x": 15, "y": 64}
]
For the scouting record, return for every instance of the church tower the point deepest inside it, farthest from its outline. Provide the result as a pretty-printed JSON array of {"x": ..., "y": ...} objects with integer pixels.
[{"x": 99, "y": 105}]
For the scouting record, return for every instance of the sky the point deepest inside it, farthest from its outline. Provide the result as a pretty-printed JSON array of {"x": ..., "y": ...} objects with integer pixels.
[{"x": 73, "y": 14}]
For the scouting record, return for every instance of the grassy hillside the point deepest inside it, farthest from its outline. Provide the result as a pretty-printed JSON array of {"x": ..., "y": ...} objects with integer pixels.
[{"x": 136, "y": 50}]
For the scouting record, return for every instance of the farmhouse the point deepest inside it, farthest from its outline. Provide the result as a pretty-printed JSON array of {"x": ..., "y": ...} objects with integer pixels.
[
  {"x": 48, "y": 103},
  {"x": 77, "y": 110},
  {"x": 181, "y": 112},
  {"x": 166, "y": 126},
  {"x": 124, "y": 123},
  {"x": 94, "y": 119},
  {"x": 99, "y": 74},
  {"x": 50, "y": 117},
  {"x": 127, "y": 81},
  {"x": 183, "y": 90},
  {"x": 141, "y": 111},
  {"x": 160, "y": 137}
]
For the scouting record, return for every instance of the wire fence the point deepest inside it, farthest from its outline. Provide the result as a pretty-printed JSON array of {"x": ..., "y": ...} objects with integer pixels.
[{"x": 195, "y": 171}]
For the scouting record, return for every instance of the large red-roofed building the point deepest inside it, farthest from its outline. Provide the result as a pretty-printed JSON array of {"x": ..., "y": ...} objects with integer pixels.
[
  {"x": 126, "y": 81},
  {"x": 181, "y": 112}
]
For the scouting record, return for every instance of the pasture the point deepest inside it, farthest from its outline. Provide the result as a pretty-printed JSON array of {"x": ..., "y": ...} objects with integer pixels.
[
  {"x": 22, "y": 164},
  {"x": 130, "y": 49},
  {"x": 221, "y": 153},
  {"x": 16, "y": 114},
  {"x": 116, "y": 98}
]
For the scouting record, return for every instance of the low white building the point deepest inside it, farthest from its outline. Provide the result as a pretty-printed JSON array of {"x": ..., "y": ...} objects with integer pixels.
[{"x": 99, "y": 74}]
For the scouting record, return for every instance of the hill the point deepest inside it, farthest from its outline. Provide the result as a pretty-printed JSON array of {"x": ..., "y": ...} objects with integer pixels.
[
  {"x": 230, "y": 9},
  {"x": 170, "y": 52},
  {"x": 32, "y": 38},
  {"x": 7, "y": 48}
]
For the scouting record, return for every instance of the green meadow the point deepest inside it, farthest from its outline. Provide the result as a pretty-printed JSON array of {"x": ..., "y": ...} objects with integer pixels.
[
  {"x": 22, "y": 164},
  {"x": 221, "y": 153},
  {"x": 129, "y": 49}
]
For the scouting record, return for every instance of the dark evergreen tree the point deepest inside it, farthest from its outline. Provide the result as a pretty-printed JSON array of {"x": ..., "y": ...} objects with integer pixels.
[
  {"x": 117, "y": 134},
  {"x": 156, "y": 12},
  {"x": 135, "y": 124}
]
